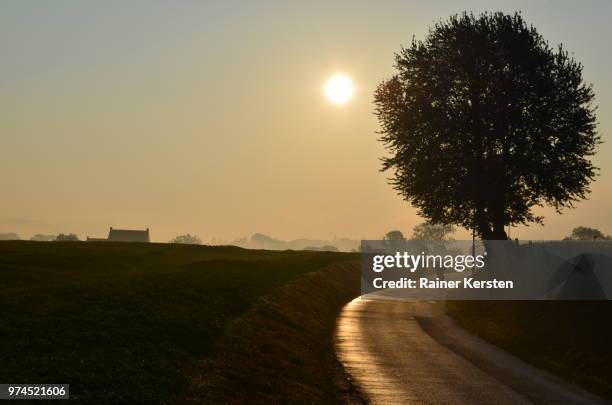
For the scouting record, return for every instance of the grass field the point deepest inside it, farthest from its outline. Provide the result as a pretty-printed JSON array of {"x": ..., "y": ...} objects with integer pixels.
[
  {"x": 569, "y": 338},
  {"x": 136, "y": 323}
]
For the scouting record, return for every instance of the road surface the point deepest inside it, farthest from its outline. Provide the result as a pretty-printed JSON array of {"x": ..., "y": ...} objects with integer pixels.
[{"x": 410, "y": 352}]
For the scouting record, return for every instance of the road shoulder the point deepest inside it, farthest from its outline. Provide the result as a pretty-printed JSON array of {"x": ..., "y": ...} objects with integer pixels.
[{"x": 535, "y": 384}]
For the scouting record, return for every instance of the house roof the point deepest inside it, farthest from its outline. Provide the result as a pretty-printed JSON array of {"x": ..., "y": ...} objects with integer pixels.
[{"x": 128, "y": 235}]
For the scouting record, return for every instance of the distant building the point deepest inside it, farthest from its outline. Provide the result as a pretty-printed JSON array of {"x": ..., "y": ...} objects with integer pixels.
[{"x": 124, "y": 235}]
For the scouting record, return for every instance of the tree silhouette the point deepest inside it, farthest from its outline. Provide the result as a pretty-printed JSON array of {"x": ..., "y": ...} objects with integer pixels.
[
  {"x": 66, "y": 237},
  {"x": 484, "y": 121},
  {"x": 586, "y": 233},
  {"x": 186, "y": 239},
  {"x": 394, "y": 235},
  {"x": 429, "y": 231}
]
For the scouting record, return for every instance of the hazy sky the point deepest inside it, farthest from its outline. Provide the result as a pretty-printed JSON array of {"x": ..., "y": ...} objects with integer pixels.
[{"x": 209, "y": 117}]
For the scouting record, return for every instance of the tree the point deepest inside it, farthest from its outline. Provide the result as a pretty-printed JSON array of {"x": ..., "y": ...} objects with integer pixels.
[
  {"x": 585, "y": 233},
  {"x": 394, "y": 235},
  {"x": 429, "y": 231},
  {"x": 9, "y": 236},
  {"x": 186, "y": 239},
  {"x": 67, "y": 237},
  {"x": 484, "y": 121}
]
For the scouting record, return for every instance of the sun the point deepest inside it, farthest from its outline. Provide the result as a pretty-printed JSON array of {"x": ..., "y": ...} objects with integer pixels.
[{"x": 339, "y": 89}]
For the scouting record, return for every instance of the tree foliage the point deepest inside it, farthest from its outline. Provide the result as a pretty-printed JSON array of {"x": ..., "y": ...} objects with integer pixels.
[
  {"x": 484, "y": 121},
  {"x": 394, "y": 235},
  {"x": 430, "y": 231},
  {"x": 186, "y": 239},
  {"x": 586, "y": 233},
  {"x": 67, "y": 237}
]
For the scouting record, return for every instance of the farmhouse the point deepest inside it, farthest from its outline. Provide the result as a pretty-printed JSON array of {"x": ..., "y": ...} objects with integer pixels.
[{"x": 124, "y": 235}]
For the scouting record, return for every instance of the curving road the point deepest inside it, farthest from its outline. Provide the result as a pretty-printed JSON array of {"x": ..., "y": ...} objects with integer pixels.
[{"x": 410, "y": 352}]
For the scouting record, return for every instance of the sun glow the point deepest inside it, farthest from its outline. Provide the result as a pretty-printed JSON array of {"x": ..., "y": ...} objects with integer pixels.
[{"x": 339, "y": 89}]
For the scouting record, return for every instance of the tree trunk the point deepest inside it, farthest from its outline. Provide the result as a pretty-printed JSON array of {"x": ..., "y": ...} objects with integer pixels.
[
  {"x": 499, "y": 233},
  {"x": 488, "y": 231}
]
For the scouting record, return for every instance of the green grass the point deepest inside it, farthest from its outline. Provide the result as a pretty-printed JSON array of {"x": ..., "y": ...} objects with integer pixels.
[
  {"x": 129, "y": 323},
  {"x": 569, "y": 338},
  {"x": 282, "y": 350}
]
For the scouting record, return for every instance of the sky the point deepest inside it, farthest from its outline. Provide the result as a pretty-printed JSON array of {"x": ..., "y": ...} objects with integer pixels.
[{"x": 209, "y": 117}]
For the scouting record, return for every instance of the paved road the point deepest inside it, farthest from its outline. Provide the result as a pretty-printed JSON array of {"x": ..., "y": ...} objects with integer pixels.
[{"x": 410, "y": 352}]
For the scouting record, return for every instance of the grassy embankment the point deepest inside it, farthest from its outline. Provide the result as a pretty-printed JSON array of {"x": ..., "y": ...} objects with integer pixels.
[
  {"x": 572, "y": 339},
  {"x": 154, "y": 323}
]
